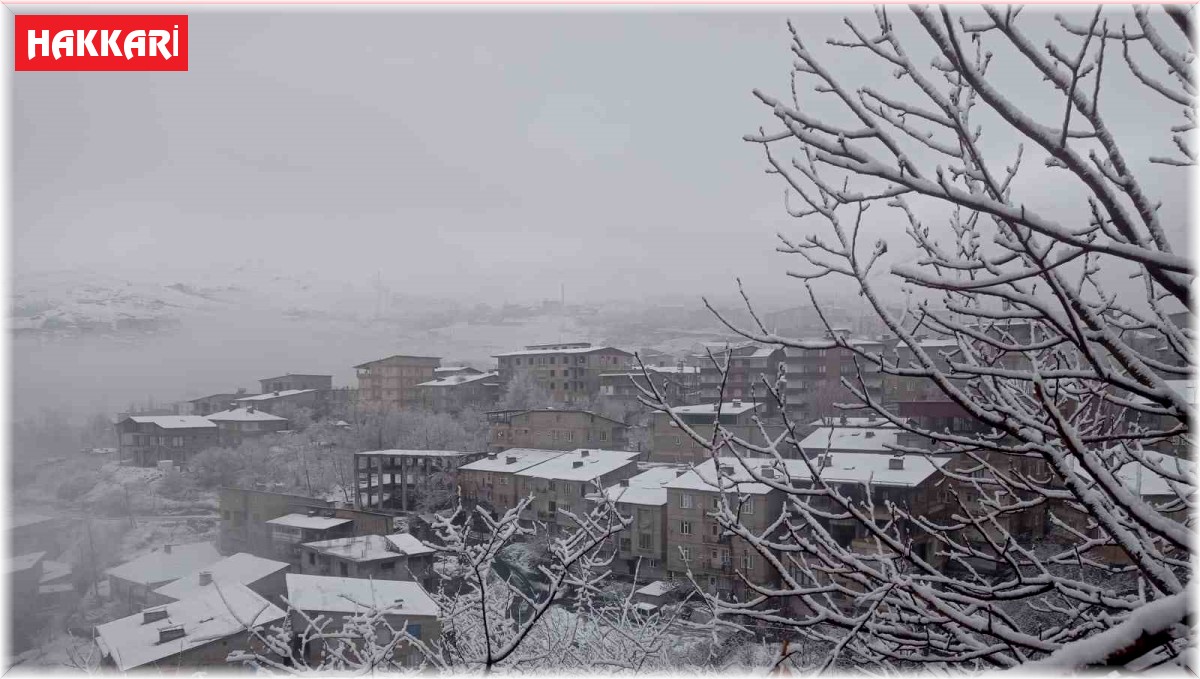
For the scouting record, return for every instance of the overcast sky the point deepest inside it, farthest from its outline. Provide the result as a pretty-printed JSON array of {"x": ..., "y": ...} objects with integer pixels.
[{"x": 461, "y": 152}]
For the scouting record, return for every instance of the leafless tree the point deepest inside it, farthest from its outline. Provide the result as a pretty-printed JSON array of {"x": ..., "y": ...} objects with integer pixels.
[{"x": 1062, "y": 369}]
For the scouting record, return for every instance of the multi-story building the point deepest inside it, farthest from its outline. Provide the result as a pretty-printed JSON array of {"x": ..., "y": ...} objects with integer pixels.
[
  {"x": 245, "y": 513},
  {"x": 491, "y": 480},
  {"x": 814, "y": 379},
  {"x": 679, "y": 384},
  {"x": 569, "y": 372},
  {"x": 642, "y": 549},
  {"x": 562, "y": 483},
  {"x": 290, "y": 531},
  {"x": 379, "y": 557},
  {"x": 458, "y": 391},
  {"x": 291, "y": 382},
  {"x": 213, "y": 403},
  {"x": 746, "y": 367},
  {"x": 238, "y": 424},
  {"x": 391, "y": 383},
  {"x": 133, "y": 581},
  {"x": 396, "y": 479},
  {"x": 281, "y": 401},
  {"x": 150, "y": 439},
  {"x": 554, "y": 429},
  {"x": 669, "y": 443}
]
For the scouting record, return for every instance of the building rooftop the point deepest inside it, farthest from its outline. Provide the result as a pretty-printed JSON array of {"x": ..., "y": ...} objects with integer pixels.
[
  {"x": 393, "y": 356},
  {"x": 647, "y": 488},
  {"x": 727, "y": 408},
  {"x": 452, "y": 369},
  {"x": 22, "y": 520},
  {"x": 455, "y": 380},
  {"x": 173, "y": 421},
  {"x": 210, "y": 616},
  {"x": 354, "y": 595},
  {"x": 310, "y": 522},
  {"x": 244, "y": 415},
  {"x": 161, "y": 565},
  {"x": 583, "y": 464},
  {"x": 415, "y": 453},
  {"x": 273, "y": 395},
  {"x": 54, "y": 570},
  {"x": 24, "y": 562},
  {"x": 878, "y": 470},
  {"x": 837, "y": 438},
  {"x": 282, "y": 377},
  {"x": 363, "y": 548},
  {"x": 873, "y": 421},
  {"x": 240, "y": 569},
  {"x": 656, "y": 588},
  {"x": 572, "y": 350},
  {"x": 409, "y": 545},
  {"x": 512, "y": 460},
  {"x": 1146, "y": 482},
  {"x": 704, "y": 477}
]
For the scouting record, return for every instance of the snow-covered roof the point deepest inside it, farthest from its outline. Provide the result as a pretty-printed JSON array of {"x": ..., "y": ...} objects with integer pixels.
[
  {"x": 24, "y": 562},
  {"x": 22, "y": 520},
  {"x": 656, "y": 588},
  {"x": 54, "y": 570},
  {"x": 1146, "y": 482},
  {"x": 851, "y": 438},
  {"x": 409, "y": 545},
  {"x": 727, "y": 408},
  {"x": 704, "y": 477},
  {"x": 305, "y": 521},
  {"x": 512, "y": 460},
  {"x": 371, "y": 547},
  {"x": 160, "y": 566},
  {"x": 210, "y": 616},
  {"x": 455, "y": 380},
  {"x": 870, "y": 467},
  {"x": 273, "y": 395},
  {"x": 173, "y": 421},
  {"x": 1185, "y": 388},
  {"x": 415, "y": 453},
  {"x": 574, "y": 350},
  {"x": 352, "y": 595},
  {"x": 244, "y": 415},
  {"x": 647, "y": 488},
  {"x": 583, "y": 464},
  {"x": 241, "y": 569},
  {"x": 875, "y": 421}
]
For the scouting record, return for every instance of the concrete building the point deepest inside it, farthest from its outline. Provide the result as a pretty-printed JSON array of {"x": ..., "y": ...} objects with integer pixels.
[
  {"x": 147, "y": 440},
  {"x": 404, "y": 605},
  {"x": 671, "y": 444},
  {"x": 814, "y": 386},
  {"x": 456, "y": 392},
  {"x": 291, "y": 382},
  {"x": 290, "y": 531},
  {"x": 207, "y": 405},
  {"x": 133, "y": 581},
  {"x": 642, "y": 549},
  {"x": 679, "y": 384},
  {"x": 262, "y": 576},
  {"x": 747, "y": 365},
  {"x": 562, "y": 483},
  {"x": 391, "y": 383},
  {"x": 569, "y": 372},
  {"x": 554, "y": 429},
  {"x": 491, "y": 481},
  {"x": 245, "y": 513},
  {"x": 238, "y": 424},
  {"x": 395, "y": 480},
  {"x": 277, "y": 401},
  {"x": 399, "y": 556},
  {"x": 183, "y": 636}
]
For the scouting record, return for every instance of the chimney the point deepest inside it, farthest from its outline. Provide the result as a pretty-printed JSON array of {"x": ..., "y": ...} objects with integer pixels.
[
  {"x": 153, "y": 615},
  {"x": 205, "y": 578},
  {"x": 624, "y": 483},
  {"x": 233, "y": 405},
  {"x": 171, "y": 633},
  {"x": 727, "y": 469},
  {"x": 842, "y": 419},
  {"x": 737, "y": 403},
  {"x": 250, "y": 408},
  {"x": 827, "y": 460},
  {"x": 491, "y": 456},
  {"x": 511, "y": 459},
  {"x": 869, "y": 434},
  {"x": 584, "y": 453},
  {"x": 167, "y": 548},
  {"x": 767, "y": 473},
  {"x": 577, "y": 464},
  {"x": 896, "y": 462},
  {"x": 276, "y": 392},
  {"x": 680, "y": 472}
]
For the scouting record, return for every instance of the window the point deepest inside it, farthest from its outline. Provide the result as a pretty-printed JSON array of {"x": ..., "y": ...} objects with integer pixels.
[
  {"x": 343, "y": 569},
  {"x": 748, "y": 506},
  {"x": 552, "y": 387},
  {"x": 685, "y": 501},
  {"x": 177, "y": 441},
  {"x": 312, "y": 558},
  {"x": 654, "y": 563},
  {"x": 582, "y": 490},
  {"x": 504, "y": 480},
  {"x": 748, "y": 561},
  {"x": 603, "y": 436},
  {"x": 552, "y": 506},
  {"x": 716, "y": 502},
  {"x": 685, "y": 527},
  {"x": 685, "y": 553},
  {"x": 552, "y": 375},
  {"x": 570, "y": 436},
  {"x": 716, "y": 530},
  {"x": 552, "y": 488},
  {"x": 643, "y": 541},
  {"x": 414, "y": 631},
  {"x": 387, "y": 566}
]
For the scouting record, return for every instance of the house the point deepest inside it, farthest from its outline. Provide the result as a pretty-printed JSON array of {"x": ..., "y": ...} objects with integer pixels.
[
  {"x": 642, "y": 548},
  {"x": 569, "y": 372},
  {"x": 554, "y": 429},
  {"x": 562, "y": 483},
  {"x": 656, "y": 593},
  {"x": 275, "y": 402},
  {"x": 245, "y": 514},
  {"x": 671, "y": 444},
  {"x": 238, "y": 424},
  {"x": 397, "y": 479},
  {"x": 207, "y": 405},
  {"x": 382, "y": 557},
  {"x": 292, "y": 382},
  {"x": 290, "y": 531},
  {"x": 262, "y": 576},
  {"x": 150, "y": 439},
  {"x": 198, "y": 632},
  {"x": 491, "y": 481},
  {"x": 402, "y": 605},
  {"x": 134, "y": 580},
  {"x": 747, "y": 365},
  {"x": 392, "y": 382},
  {"x": 456, "y": 392}
]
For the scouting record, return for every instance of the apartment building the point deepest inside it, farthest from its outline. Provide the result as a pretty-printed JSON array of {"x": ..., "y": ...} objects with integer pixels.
[
  {"x": 491, "y": 480},
  {"x": 746, "y": 366},
  {"x": 569, "y": 372},
  {"x": 642, "y": 549},
  {"x": 380, "y": 557},
  {"x": 150, "y": 439},
  {"x": 206, "y": 405},
  {"x": 396, "y": 479},
  {"x": 555, "y": 429},
  {"x": 670, "y": 443},
  {"x": 245, "y": 514},
  {"x": 239, "y": 424},
  {"x": 455, "y": 392},
  {"x": 679, "y": 384},
  {"x": 814, "y": 378},
  {"x": 563, "y": 483},
  {"x": 391, "y": 383},
  {"x": 294, "y": 382}
]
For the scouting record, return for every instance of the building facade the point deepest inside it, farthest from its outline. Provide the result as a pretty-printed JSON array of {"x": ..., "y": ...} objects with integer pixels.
[
  {"x": 569, "y": 372},
  {"x": 391, "y": 383},
  {"x": 239, "y": 424},
  {"x": 746, "y": 366},
  {"x": 554, "y": 429},
  {"x": 150, "y": 439},
  {"x": 459, "y": 391},
  {"x": 396, "y": 480},
  {"x": 291, "y": 382}
]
